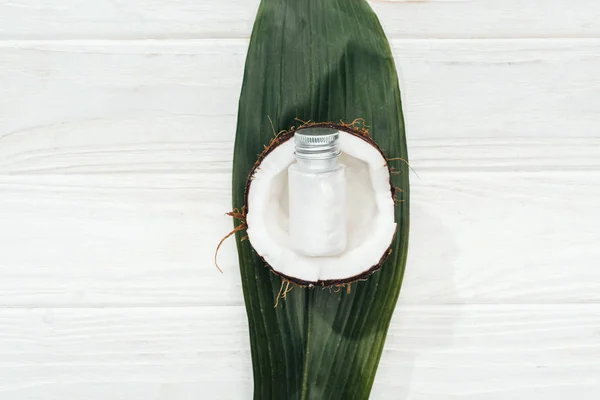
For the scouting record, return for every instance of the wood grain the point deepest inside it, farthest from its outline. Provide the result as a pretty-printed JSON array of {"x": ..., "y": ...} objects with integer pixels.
[
  {"x": 195, "y": 19},
  {"x": 115, "y": 169},
  {"x": 451, "y": 88},
  {"x": 137, "y": 224},
  {"x": 433, "y": 352}
]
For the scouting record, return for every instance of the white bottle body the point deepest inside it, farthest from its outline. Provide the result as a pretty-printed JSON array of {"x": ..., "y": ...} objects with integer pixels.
[{"x": 317, "y": 207}]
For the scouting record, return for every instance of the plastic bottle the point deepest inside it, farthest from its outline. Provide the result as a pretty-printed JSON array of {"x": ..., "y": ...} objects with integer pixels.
[{"x": 317, "y": 194}]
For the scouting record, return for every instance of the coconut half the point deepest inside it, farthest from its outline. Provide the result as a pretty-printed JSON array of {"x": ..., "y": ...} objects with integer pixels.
[{"x": 370, "y": 211}]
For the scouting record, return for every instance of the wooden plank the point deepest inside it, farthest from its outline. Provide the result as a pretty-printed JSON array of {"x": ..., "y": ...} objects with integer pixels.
[
  {"x": 184, "y": 19},
  {"x": 451, "y": 88},
  {"x": 432, "y": 352},
  {"x": 137, "y": 223},
  {"x": 139, "y": 353},
  {"x": 491, "y": 353},
  {"x": 115, "y": 167}
]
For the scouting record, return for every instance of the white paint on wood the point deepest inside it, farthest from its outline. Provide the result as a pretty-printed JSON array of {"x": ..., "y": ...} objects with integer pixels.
[
  {"x": 451, "y": 88},
  {"x": 136, "y": 223},
  {"x": 115, "y": 170},
  {"x": 194, "y": 19},
  {"x": 488, "y": 352}
]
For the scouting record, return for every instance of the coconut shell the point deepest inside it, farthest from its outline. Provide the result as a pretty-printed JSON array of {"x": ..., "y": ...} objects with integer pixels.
[{"x": 358, "y": 129}]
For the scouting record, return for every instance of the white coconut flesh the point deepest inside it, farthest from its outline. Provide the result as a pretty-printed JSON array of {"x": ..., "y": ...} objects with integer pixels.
[{"x": 369, "y": 214}]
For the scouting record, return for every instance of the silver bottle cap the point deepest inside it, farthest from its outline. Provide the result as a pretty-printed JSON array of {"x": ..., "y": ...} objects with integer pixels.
[{"x": 317, "y": 143}]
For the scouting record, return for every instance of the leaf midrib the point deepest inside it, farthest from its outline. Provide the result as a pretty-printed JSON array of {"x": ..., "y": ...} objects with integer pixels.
[{"x": 304, "y": 389}]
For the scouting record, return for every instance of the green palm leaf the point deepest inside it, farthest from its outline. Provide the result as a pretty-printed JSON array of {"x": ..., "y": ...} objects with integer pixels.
[{"x": 319, "y": 60}]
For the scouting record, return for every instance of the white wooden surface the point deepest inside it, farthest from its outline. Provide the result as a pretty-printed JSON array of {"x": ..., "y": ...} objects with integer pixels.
[{"x": 116, "y": 129}]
